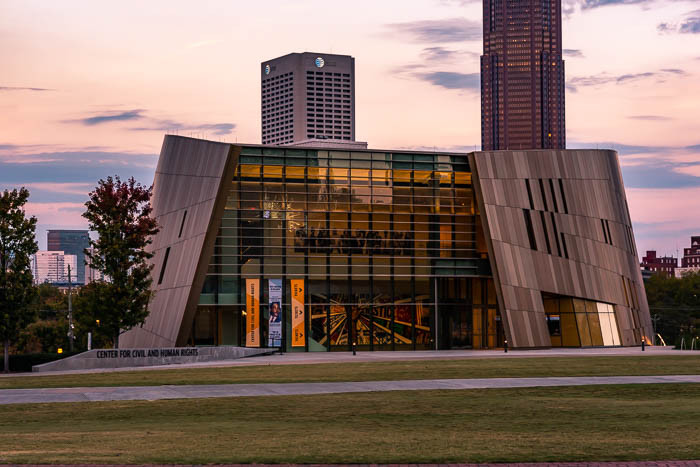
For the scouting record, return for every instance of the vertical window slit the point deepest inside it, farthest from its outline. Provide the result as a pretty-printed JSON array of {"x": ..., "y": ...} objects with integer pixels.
[
  {"x": 546, "y": 233},
  {"x": 544, "y": 197},
  {"x": 556, "y": 233},
  {"x": 529, "y": 193},
  {"x": 563, "y": 243},
  {"x": 530, "y": 231},
  {"x": 607, "y": 225},
  {"x": 184, "y": 216},
  {"x": 162, "y": 268},
  {"x": 563, "y": 197},
  {"x": 554, "y": 196},
  {"x": 605, "y": 234}
]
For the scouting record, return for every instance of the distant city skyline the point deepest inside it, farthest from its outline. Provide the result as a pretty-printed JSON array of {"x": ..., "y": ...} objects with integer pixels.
[{"x": 88, "y": 89}]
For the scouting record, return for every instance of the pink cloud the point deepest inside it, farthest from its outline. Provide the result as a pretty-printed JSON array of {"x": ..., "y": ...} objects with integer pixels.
[
  {"x": 665, "y": 205},
  {"x": 58, "y": 214},
  {"x": 22, "y": 159},
  {"x": 664, "y": 218},
  {"x": 66, "y": 188}
]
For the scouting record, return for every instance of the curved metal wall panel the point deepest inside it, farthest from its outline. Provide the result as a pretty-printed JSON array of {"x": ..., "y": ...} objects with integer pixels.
[
  {"x": 557, "y": 221},
  {"x": 191, "y": 177}
]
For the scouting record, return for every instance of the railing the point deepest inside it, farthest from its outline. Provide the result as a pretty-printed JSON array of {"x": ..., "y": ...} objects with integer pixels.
[
  {"x": 693, "y": 343},
  {"x": 661, "y": 339}
]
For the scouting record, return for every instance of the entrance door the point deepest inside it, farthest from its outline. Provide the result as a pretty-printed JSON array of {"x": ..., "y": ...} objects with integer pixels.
[{"x": 455, "y": 326}]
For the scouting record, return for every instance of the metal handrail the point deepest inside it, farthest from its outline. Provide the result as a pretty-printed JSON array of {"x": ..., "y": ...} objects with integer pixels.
[{"x": 663, "y": 342}]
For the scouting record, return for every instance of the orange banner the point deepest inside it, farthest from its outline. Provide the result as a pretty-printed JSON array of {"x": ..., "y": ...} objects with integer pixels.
[
  {"x": 298, "y": 329},
  {"x": 252, "y": 307}
]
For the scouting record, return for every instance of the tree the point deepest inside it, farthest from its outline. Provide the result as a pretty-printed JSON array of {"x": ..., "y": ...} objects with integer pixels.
[
  {"x": 50, "y": 330},
  {"x": 17, "y": 245},
  {"x": 120, "y": 213},
  {"x": 93, "y": 312},
  {"x": 675, "y": 304}
]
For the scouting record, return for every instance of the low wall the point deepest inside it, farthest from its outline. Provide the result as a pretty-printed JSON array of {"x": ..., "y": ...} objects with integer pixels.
[{"x": 123, "y": 358}]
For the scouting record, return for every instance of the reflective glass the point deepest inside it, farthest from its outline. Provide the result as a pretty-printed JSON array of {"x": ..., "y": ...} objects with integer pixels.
[{"x": 363, "y": 229}]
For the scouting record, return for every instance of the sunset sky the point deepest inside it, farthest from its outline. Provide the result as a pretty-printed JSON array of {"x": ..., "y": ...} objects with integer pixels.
[{"x": 88, "y": 89}]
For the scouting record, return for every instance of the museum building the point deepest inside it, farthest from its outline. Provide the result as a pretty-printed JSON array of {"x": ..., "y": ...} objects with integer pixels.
[{"x": 316, "y": 249}]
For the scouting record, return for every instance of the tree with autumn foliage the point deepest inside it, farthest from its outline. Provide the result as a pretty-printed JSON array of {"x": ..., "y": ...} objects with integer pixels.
[
  {"x": 120, "y": 213},
  {"x": 17, "y": 245}
]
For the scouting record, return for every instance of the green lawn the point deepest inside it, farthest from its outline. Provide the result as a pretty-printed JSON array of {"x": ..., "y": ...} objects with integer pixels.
[
  {"x": 374, "y": 371},
  {"x": 595, "y": 423}
]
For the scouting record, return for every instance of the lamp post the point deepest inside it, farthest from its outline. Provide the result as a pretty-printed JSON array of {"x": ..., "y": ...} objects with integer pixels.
[{"x": 70, "y": 313}]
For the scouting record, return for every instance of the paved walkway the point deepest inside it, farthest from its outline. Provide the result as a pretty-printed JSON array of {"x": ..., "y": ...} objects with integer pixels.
[
  {"x": 524, "y": 464},
  {"x": 309, "y": 358},
  {"x": 22, "y": 396}
]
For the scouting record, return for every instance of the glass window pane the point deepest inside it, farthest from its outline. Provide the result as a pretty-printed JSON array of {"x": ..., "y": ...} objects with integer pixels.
[
  {"x": 582, "y": 322},
  {"x": 594, "y": 324},
  {"x": 604, "y": 319},
  {"x": 569, "y": 330}
]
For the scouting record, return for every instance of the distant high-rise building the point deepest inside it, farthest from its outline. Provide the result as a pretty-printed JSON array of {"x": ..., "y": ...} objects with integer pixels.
[
  {"x": 308, "y": 96},
  {"x": 522, "y": 76},
  {"x": 72, "y": 242},
  {"x": 52, "y": 267}
]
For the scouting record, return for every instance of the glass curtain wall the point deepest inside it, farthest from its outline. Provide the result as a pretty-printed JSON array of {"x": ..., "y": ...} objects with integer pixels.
[
  {"x": 574, "y": 322},
  {"x": 362, "y": 229}
]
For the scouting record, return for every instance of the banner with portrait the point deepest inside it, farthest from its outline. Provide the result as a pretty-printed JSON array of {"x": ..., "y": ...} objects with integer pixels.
[
  {"x": 274, "y": 287},
  {"x": 252, "y": 307},
  {"x": 298, "y": 328}
]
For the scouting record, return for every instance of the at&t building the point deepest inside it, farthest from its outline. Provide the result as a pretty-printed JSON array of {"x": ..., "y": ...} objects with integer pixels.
[{"x": 314, "y": 249}]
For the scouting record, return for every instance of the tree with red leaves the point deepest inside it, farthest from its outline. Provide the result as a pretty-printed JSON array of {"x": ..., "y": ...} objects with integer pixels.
[{"x": 120, "y": 213}]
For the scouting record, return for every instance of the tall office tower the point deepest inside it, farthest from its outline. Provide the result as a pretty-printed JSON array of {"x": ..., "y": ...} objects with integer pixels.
[
  {"x": 308, "y": 96},
  {"x": 522, "y": 76},
  {"x": 72, "y": 242}
]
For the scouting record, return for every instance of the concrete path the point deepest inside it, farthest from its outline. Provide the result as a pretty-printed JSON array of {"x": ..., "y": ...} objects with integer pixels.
[
  {"x": 23, "y": 396},
  {"x": 689, "y": 463},
  {"x": 310, "y": 358}
]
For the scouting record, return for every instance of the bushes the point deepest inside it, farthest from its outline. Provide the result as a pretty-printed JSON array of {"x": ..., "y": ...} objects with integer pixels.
[{"x": 24, "y": 362}]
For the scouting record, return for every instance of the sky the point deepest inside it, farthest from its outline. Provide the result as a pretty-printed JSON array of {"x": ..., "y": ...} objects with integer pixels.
[{"x": 88, "y": 89}]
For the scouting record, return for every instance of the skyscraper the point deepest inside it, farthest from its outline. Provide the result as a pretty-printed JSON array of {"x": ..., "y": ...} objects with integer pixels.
[
  {"x": 72, "y": 242},
  {"x": 307, "y": 96},
  {"x": 522, "y": 76}
]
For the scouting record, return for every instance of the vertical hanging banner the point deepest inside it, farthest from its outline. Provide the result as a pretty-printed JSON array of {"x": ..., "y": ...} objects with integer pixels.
[
  {"x": 275, "y": 330},
  {"x": 298, "y": 330},
  {"x": 252, "y": 306}
]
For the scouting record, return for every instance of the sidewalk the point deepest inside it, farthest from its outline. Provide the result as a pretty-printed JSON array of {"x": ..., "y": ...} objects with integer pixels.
[
  {"x": 150, "y": 393},
  {"x": 309, "y": 358},
  {"x": 538, "y": 464}
]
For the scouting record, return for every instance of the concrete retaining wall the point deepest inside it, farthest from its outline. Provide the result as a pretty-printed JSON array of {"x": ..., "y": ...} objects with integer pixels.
[{"x": 122, "y": 358}]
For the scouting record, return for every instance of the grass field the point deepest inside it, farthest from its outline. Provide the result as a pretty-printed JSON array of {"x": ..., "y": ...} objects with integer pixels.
[
  {"x": 375, "y": 371},
  {"x": 595, "y": 423}
]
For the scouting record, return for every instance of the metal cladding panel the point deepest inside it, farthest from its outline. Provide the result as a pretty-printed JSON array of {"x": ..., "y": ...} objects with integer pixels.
[
  {"x": 586, "y": 194},
  {"x": 189, "y": 192}
]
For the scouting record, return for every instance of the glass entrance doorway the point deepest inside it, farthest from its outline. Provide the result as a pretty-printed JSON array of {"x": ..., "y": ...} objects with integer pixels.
[
  {"x": 456, "y": 331},
  {"x": 468, "y": 314}
]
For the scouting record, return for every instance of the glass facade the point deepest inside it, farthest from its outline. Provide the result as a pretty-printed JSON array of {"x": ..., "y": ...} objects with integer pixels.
[
  {"x": 574, "y": 322},
  {"x": 379, "y": 239}
]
